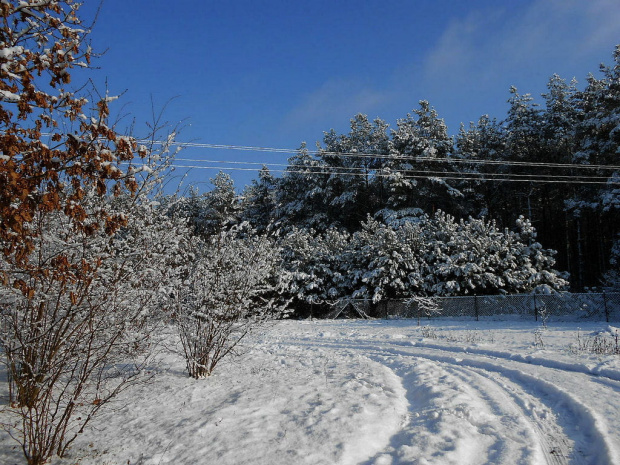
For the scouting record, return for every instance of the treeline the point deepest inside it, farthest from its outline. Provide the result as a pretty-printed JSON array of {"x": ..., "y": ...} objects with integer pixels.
[
  {"x": 398, "y": 257},
  {"x": 98, "y": 266},
  {"x": 555, "y": 163}
]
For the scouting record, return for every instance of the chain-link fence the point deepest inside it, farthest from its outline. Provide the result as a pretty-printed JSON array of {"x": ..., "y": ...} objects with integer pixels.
[{"x": 595, "y": 306}]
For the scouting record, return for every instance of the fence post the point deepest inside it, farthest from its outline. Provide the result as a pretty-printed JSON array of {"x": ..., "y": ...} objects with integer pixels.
[
  {"x": 605, "y": 306},
  {"x": 535, "y": 307},
  {"x": 476, "y": 306}
]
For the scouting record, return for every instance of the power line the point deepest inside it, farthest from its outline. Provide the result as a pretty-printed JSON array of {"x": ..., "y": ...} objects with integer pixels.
[
  {"x": 276, "y": 167},
  {"x": 403, "y": 173},
  {"x": 366, "y": 155},
  {"x": 363, "y": 155},
  {"x": 481, "y": 177}
]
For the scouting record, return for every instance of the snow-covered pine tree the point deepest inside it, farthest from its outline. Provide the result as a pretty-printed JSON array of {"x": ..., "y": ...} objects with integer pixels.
[
  {"x": 413, "y": 179},
  {"x": 258, "y": 203},
  {"x": 222, "y": 205},
  {"x": 595, "y": 210},
  {"x": 385, "y": 263},
  {"x": 316, "y": 266},
  {"x": 300, "y": 199},
  {"x": 474, "y": 257},
  {"x": 351, "y": 160},
  {"x": 484, "y": 141}
]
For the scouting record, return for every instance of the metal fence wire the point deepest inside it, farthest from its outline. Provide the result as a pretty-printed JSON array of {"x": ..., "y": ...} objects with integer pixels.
[{"x": 603, "y": 306}]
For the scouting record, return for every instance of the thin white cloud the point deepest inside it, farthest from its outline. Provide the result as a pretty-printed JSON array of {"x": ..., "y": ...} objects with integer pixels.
[
  {"x": 487, "y": 44},
  {"x": 336, "y": 100},
  {"x": 604, "y": 19},
  {"x": 473, "y": 63}
]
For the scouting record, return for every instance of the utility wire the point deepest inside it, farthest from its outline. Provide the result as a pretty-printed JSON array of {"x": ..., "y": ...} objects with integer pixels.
[
  {"x": 466, "y": 177},
  {"x": 363, "y": 155},
  {"x": 404, "y": 173},
  {"x": 341, "y": 170}
]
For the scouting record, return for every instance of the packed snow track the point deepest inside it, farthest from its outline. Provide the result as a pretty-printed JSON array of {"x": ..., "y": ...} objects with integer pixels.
[
  {"x": 374, "y": 392},
  {"x": 475, "y": 405}
]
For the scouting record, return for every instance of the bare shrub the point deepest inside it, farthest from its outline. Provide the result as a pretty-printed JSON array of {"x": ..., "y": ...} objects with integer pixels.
[
  {"x": 424, "y": 306},
  {"x": 538, "y": 339},
  {"x": 79, "y": 328},
  {"x": 229, "y": 287},
  {"x": 600, "y": 344},
  {"x": 66, "y": 333},
  {"x": 429, "y": 332},
  {"x": 470, "y": 337}
]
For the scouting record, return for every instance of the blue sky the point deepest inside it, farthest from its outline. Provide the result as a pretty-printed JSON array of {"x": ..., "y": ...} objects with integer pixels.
[{"x": 275, "y": 73}]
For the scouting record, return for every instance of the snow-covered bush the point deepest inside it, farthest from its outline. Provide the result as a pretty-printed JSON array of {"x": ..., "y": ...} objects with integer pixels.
[
  {"x": 85, "y": 249},
  {"x": 77, "y": 327},
  {"x": 229, "y": 286},
  {"x": 439, "y": 256},
  {"x": 419, "y": 256},
  {"x": 474, "y": 257},
  {"x": 315, "y": 264},
  {"x": 383, "y": 262}
]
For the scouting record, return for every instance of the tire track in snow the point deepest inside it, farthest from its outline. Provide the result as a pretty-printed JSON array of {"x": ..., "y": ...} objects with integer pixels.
[
  {"x": 451, "y": 422},
  {"x": 555, "y": 445},
  {"x": 526, "y": 359},
  {"x": 580, "y": 423},
  {"x": 579, "y": 427},
  {"x": 587, "y": 428}
]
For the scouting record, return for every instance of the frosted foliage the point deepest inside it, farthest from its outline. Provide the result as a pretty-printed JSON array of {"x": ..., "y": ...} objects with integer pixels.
[
  {"x": 78, "y": 331},
  {"x": 424, "y": 306},
  {"x": 474, "y": 257},
  {"x": 422, "y": 134},
  {"x": 228, "y": 286},
  {"x": 419, "y": 256},
  {"x": 314, "y": 264},
  {"x": 386, "y": 262},
  {"x": 484, "y": 140}
]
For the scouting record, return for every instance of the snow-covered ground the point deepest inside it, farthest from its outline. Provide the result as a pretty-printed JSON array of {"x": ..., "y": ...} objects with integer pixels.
[{"x": 375, "y": 392}]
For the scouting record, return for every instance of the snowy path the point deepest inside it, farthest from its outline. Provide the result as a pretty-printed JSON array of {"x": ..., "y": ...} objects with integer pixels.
[
  {"x": 469, "y": 405},
  {"x": 471, "y": 410},
  {"x": 374, "y": 393}
]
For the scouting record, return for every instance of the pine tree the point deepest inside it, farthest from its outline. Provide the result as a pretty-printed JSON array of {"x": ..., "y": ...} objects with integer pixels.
[
  {"x": 259, "y": 201},
  {"x": 221, "y": 206},
  {"x": 413, "y": 179},
  {"x": 351, "y": 161},
  {"x": 300, "y": 199},
  {"x": 385, "y": 262},
  {"x": 594, "y": 210},
  {"x": 484, "y": 142}
]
